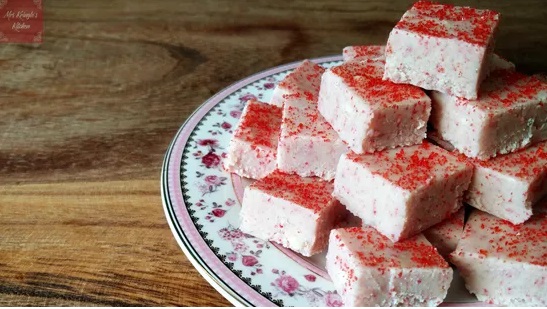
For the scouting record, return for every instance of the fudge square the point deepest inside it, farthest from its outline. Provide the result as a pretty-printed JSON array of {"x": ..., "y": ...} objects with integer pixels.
[
  {"x": 252, "y": 151},
  {"x": 403, "y": 191},
  {"x": 372, "y": 52},
  {"x": 509, "y": 186},
  {"x": 305, "y": 78},
  {"x": 510, "y": 114},
  {"x": 445, "y": 235},
  {"x": 367, "y": 269},
  {"x": 502, "y": 263},
  {"x": 296, "y": 212},
  {"x": 371, "y": 114},
  {"x": 441, "y": 47},
  {"x": 308, "y": 146}
]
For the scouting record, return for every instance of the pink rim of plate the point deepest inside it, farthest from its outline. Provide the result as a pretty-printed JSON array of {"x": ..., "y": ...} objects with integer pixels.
[{"x": 180, "y": 222}]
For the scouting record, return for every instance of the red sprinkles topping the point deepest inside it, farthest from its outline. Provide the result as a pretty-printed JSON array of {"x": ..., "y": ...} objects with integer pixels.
[
  {"x": 487, "y": 235},
  {"x": 260, "y": 124},
  {"x": 506, "y": 89},
  {"x": 306, "y": 77},
  {"x": 310, "y": 192},
  {"x": 378, "y": 251},
  {"x": 448, "y": 21},
  {"x": 364, "y": 78},
  {"x": 366, "y": 51},
  {"x": 410, "y": 167},
  {"x": 528, "y": 164}
]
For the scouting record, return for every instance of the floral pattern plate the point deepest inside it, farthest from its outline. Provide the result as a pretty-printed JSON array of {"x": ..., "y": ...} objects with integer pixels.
[{"x": 202, "y": 201}]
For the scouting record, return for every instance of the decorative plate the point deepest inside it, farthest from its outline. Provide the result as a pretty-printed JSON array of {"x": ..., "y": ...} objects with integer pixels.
[{"x": 202, "y": 202}]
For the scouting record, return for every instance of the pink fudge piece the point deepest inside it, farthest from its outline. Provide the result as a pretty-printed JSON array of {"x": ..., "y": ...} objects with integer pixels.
[
  {"x": 368, "y": 113},
  {"x": 296, "y": 212},
  {"x": 445, "y": 235},
  {"x": 403, "y": 191},
  {"x": 303, "y": 79},
  {"x": 508, "y": 186},
  {"x": 366, "y": 52},
  {"x": 510, "y": 114},
  {"x": 502, "y": 263},
  {"x": 441, "y": 47},
  {"x": 367, "y": 269},
  {"x": 308, "y": 146},
  {"x": 253, "y": 148}
]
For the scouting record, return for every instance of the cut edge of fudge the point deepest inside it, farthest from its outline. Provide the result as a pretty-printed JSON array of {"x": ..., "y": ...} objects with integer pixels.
[{"x": 296, "y": 212}]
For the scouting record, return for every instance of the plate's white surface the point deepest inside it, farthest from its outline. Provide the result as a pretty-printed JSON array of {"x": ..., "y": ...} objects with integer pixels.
[{"x": 201, "y": 203}]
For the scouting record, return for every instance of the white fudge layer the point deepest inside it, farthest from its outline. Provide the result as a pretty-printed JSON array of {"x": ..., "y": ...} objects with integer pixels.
[
  {"x": 308, "y": 146},
  {"x": 441, "y": 47},
  {"x": 297, "y": 213},
  {"x": 508, "y": 186},
  {"x": 445, "y": 235},
  {"x": 369, "y": 114},
  {"x": 502, "y": 263},
  {"x": 305, "y": 78},
  {"x": 404, "y": 191},
  {"x": 510, "y": 114},
  {"x": 252, "y": 152},
  {"x": 367, "y": 269}
]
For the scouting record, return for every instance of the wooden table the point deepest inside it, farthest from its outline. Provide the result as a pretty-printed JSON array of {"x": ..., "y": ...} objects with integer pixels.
[{"x": 87, "y": 116}]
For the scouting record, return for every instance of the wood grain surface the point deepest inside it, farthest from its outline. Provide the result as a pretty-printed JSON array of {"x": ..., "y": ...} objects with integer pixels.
[{"x": 86, "y": 118}]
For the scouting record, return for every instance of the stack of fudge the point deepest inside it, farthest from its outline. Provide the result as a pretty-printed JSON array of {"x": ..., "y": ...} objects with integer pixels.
[{"x": 402, "y": 136}]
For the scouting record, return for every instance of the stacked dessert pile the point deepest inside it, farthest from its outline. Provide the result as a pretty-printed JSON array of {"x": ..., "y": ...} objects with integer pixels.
[{"x": 353, "y": 138}]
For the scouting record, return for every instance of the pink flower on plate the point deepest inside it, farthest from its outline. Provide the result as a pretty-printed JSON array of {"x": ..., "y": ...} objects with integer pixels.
[
  {"x": 213, "y": 180},
  {"x": 240, "y": 247},
  {"x": 247, "y": 97},
  {"x": 219, "y": 213},
  {"x": 210, "y": 160},
  {"x": 310, "y": 278},
  {"x": 249, "y": 260},
  {"x": 226, "y": 125},
  {"x": 230, "y": 202},
  {"x": 235, "y": 114},
  {"x": 208, "y": 142},
  {"x": 333, "y": 300},
  {"x": 287, "y": 283},
  {"x": 232, "y": 257}
]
